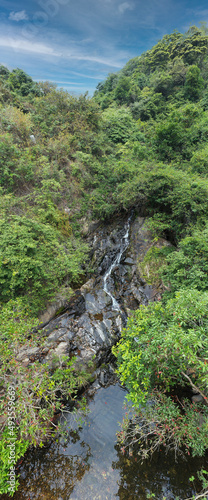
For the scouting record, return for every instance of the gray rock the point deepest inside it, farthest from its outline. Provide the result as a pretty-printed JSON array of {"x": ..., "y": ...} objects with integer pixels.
[
  {"x": 108, "y": 324},
  {"x": 136, "y": 294},
  {"x": 27, "y": 352},
  {"x": 129, "y": 261},
  {"x": 95, "y": 303},
  {"x": 61, "y": 349},
  {"x": 33, "y": 139},
  {"x": 88, "y": 286},
  {"x": 56, "y": 335},
  {"x": 197, "y": 398},
  {"x": 119, "y": 323},
  {"x": 89, "y": 325},
  {"x": 102, "y": 378}
]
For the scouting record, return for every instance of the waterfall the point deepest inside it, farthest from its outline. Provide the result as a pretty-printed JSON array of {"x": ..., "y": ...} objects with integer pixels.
[{"x": 116, "y": 261}]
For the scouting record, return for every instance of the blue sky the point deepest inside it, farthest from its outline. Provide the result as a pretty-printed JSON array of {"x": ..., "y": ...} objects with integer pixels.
[{"x": 77, "y": 43}]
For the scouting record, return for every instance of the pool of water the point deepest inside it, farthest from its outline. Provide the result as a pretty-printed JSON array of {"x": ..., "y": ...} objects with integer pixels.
[{"x": 91, "y": 466}]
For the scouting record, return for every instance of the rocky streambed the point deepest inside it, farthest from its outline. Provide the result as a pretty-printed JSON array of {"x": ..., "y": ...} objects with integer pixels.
[{"x": 92, "y": 319}]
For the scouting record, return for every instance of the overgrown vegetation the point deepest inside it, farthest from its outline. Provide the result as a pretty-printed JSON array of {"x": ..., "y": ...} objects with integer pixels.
[
  {"x": 163, "y": 355},
  {"x": 40, "y": 388},
  {"x": 140, "y": 142}
]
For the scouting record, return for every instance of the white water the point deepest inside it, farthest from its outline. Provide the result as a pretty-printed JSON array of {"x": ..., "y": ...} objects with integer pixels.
[{"x": 117, "y": 260}]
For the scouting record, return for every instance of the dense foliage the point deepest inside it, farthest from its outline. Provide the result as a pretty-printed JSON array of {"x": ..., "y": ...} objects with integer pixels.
[
  {"x": 164, "y": 348},
  {"x": 162, "y": 355},
  {"x": 140, "y": 142}
]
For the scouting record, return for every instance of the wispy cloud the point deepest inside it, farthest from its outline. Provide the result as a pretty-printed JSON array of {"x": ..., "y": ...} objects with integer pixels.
[
  {"x": 18, "y": 16},
  {"x": 96, "y": 59},
  {"x": 125, "y": 6},
  {"x": 22, "y": 45},
  {"x": 86, "y": 76},
  {"x": 202, "y": 13},
  {"x": 74, "y": 53}
]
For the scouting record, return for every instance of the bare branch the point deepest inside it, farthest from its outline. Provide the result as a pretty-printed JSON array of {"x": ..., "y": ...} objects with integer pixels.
[
  {"x": 195, "y": 387},
  {"x": 202, "y": 495}
]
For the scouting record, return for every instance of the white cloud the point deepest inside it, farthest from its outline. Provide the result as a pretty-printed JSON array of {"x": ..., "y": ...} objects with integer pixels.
[
  {"x": 22, "y": 45},
  {"x": 74, "y": 53},
  {"x": 18, "y": 16},
  {"x": 125, "y": 6}
]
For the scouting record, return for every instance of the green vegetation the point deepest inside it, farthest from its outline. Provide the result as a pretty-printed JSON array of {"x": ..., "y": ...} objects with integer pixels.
[
  {"x": 140, "y": 142},
  {"x": 163, "y": 353},
  {"x": 41, "y": 182},
  {"x": 34, "y": 259},
  {"x": 164, "y": 348},
  {"x": 36, "y": 387}
]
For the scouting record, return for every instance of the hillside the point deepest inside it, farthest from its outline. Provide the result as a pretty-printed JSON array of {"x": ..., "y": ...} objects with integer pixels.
[{"x": 141, "y": 143}]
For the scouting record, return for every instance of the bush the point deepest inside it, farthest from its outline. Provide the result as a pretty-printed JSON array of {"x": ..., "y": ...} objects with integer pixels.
[
  {"x": 188, "y": 265},
  {"x": 163, "y": 359},
  {"x": 119, "y": 124},
  {"x": 9, "y": 157},
  {"x": 199, "y": 161},
  {"x": 35, "y": 258},
  {"x": 35, "y": 388}
]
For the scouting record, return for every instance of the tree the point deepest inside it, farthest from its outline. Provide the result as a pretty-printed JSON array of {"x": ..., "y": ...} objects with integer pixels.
[
  {"x": 194, "y": 83},
  {"x": 22, "y": 83},
  {"x": 4, "y": 72},
  {"x": 119, "y": 124},
  {"x": 122, "y": 89}
]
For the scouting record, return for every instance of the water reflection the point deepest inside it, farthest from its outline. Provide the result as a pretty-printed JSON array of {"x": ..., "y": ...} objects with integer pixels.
[
  {"x": 91, "y": 466},
  {"x": 51, "y": 474},
  {"x": 162, "y": 476}
]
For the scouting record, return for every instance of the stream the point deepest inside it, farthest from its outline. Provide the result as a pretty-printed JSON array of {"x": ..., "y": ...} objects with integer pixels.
[{"x": 89, "y": 464}]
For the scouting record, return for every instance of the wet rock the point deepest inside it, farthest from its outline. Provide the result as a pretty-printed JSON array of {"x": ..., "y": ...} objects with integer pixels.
[
  {"x": 94, "y": 303},
  {"x": 94, "y": 387}
]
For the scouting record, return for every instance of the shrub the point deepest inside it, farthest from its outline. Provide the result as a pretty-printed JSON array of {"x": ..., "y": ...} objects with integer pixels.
[
  {"x": 35, "y": 387},
  {"x": 15, "y": 121},
  {"x": 35, "y": 258},
  {"x": 188, "y": 265},
  {"x": 162, "y": 359}
]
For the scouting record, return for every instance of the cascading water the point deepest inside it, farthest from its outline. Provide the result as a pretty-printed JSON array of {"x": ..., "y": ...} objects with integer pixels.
[{"x": 116, "y": 262}]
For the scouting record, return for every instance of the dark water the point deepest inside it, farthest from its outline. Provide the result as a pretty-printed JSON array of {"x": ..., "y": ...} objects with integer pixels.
[{"x": 91, "y": 466}]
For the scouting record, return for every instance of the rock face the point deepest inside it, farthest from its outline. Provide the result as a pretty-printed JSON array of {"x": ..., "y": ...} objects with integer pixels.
[{"x": 91, "y": 324}]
